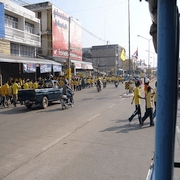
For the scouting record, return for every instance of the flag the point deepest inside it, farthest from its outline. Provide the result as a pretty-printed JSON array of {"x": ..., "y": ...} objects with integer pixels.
[
  {"x": 123, "y": 55},
  {"x": 136, "y": 54}
]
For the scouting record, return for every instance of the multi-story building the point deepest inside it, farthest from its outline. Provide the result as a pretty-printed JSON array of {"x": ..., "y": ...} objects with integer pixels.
[
  {"x": 105, "y": 58},
  {"x": 20, "y": 36},
  {"x": 20, "y": 29},
  {"x": 61, "y": 35}
]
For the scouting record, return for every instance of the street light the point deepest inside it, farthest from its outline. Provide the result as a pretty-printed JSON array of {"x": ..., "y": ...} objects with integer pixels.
[{"x": 148, "y": 47}]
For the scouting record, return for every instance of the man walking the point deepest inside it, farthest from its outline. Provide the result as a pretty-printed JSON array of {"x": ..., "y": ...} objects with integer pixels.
[
  {"x": 136, "y": 99},
  {"x": 149, "y": 106}
]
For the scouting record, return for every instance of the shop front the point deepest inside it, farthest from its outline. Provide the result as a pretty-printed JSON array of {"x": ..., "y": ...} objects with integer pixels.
[{"x": 25, "y": 67}]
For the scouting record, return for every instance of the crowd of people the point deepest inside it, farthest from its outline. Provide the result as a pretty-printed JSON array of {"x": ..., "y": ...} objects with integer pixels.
[{"x": 9, "y": 89}]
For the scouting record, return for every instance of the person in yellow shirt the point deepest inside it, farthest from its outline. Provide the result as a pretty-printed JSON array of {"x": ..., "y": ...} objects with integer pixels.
[
  {"x": 26, "y": 85},
  {"x": 136, "y": 99},
  {"x": 149, "y": 106},
  {"x": 15, "y": 88},
  {"x": 35, "y": 85},
  {"x": 6, "y": 91}
]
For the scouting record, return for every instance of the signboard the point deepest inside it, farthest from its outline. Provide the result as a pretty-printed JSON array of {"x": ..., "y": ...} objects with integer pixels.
[
  {"x": 60, "y": 32},
  {"x": 2, "y": 23},
  {"x": 29, "y": 68},
  {"x": 44, "y": 68},
  {"x": 57, "y": 68}
]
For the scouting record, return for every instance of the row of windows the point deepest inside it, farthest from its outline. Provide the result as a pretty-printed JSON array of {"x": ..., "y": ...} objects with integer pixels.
[
  {"x": 12, "y": 22},
  {"x": 21, "y": 50}
]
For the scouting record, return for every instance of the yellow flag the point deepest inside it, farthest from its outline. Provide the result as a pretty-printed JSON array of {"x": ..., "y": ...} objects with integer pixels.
[{"x": 123, "y": 55}]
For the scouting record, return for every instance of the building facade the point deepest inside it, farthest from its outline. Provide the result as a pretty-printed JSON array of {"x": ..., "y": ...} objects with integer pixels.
[
  {"x": 20, "y": 36},
  {"x": 105, "y": 59},
  {"x": 19, "y": 31},
  {"x": 61, "y": 35}
]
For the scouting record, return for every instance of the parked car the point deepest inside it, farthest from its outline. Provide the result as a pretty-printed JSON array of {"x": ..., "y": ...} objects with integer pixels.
[{"x": 49, "y": 92}]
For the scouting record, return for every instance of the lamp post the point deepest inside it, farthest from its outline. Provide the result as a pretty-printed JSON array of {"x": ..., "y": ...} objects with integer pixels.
[{"x": 148, "y": 48}]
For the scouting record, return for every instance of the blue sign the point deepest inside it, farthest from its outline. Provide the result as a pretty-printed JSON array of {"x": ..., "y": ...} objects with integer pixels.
[
  {"x": 2, "y": 23},
  {"x": 29, "y": 68},
  {"x": 57, "y": 68},
  {"x": 44, "y": 68}
]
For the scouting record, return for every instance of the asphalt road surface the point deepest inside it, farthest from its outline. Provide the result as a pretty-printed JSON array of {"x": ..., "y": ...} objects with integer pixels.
[{"x": 91, "y": 141}]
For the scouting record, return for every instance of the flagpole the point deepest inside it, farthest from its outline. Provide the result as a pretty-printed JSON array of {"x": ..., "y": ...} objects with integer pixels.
[
  {"x": 129, "y": 37},
  {"x": 130, "y": 89}
]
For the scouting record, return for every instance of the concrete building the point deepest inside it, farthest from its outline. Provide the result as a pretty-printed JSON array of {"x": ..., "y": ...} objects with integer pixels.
[
  {"x": 20, "y": 36},
  {"x": 61, "y": 35},
  {"x": 105, "y": 58},
  {"x": 19, "y": 30}
]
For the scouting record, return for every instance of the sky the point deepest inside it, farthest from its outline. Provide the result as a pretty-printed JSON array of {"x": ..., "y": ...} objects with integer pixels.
[{"x": 108, "y": 21}]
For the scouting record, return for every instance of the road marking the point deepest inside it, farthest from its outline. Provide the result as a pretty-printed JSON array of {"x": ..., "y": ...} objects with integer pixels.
[
  {"x": 111, "y": 106},
  {"x": 93, "y": 117},
  {"x": 178, "y": 129},
  {"x": 56, "y": 141}
]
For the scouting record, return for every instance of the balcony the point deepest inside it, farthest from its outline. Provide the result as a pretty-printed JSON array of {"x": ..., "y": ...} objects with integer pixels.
[{"x": 23, "y": 37}]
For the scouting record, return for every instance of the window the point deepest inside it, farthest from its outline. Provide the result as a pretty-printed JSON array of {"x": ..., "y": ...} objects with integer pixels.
[
  {"x": 11, "y": 21},
  {"x": 39, "y": 15},
  {"x": 29, "y": 27},
  {"x": 15, "y": 49},
  {"x": 27, "y": 51}
]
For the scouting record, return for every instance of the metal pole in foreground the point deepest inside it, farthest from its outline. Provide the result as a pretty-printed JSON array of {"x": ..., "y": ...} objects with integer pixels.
[{"x": 166, "y": 89}]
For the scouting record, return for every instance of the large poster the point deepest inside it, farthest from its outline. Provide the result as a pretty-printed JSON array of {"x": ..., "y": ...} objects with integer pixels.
[
  {"x": 57, "y": 68},
  {"x": 60, "y": 29},
  {"x": 44, "y": 68},
  {"x": 29, "y": 68}
]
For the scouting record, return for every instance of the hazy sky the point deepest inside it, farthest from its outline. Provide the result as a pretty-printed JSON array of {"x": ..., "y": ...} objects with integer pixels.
[{"x": 108, "y": 20}]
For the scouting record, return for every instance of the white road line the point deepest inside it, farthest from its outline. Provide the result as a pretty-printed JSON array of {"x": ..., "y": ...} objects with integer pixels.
[
  {"x": 56, "y": 141},
  {"x": 178, "y": 129},
  {"x": 93, "y": 117},
  {"x": 112, "y": 106}
]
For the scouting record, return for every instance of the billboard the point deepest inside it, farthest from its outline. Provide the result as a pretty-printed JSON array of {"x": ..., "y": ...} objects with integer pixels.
[
  {"x": 60, "y": 33},
  {"x": 29, "y": 68},
  {"x": 45, "y": 68},
  {"x": 2, "y": 23}
]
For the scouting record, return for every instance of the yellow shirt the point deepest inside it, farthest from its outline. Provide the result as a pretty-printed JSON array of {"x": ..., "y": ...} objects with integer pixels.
[
  {"x": 3, "y": 91},
  {"x": 136, "y": 96},
  {"x": 15, "y": 88},
  {"x": 6, "y": 89},
  {"x": 149, "y": 100},
  {"x": 26, "y": 86},
  {"x": 35, "y": 85},
  {"x": 0, "y": 89}
]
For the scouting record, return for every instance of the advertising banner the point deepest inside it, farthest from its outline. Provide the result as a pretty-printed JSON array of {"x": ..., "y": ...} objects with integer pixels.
[
  {"x": 2, "y": 23},
  {"x": 57, "y": 68},
  {"x": 60, "y": 29},
  {"x": 29, "y": 68},
  {"x": 44, "y": 68}
]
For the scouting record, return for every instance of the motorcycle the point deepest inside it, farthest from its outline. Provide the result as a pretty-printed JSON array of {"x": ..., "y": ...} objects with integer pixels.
[
  {"x": 66, "y": 101},
  {"x": 116, "y": 84}
]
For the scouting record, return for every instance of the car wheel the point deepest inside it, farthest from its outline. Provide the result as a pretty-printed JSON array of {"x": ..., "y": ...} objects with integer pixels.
[{"x": 44, "y": 102}]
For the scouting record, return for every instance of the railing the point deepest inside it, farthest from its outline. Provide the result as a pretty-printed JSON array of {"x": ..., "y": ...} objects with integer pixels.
[{"x": 19, "y": 35}]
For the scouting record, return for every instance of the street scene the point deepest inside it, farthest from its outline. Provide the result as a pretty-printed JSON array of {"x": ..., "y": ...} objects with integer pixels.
[
  {"x": 91, "y": 140},
  {"x": 89, "y": 90}
]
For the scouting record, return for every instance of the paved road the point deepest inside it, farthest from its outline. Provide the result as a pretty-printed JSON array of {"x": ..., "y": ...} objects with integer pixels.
[{"x": 92, "y": 140}]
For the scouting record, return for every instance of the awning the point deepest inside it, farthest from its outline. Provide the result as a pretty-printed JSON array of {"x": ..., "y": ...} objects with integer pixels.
[
  {"x": 82, "y": 64},
  {"x": 16, "y": 59}
]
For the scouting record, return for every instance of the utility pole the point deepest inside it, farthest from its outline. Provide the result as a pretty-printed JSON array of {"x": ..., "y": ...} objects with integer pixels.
[{"x": 69, "y": 53}]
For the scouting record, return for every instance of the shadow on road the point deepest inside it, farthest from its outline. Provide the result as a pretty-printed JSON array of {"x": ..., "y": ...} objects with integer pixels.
[{"x": 126, "y": 127}]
